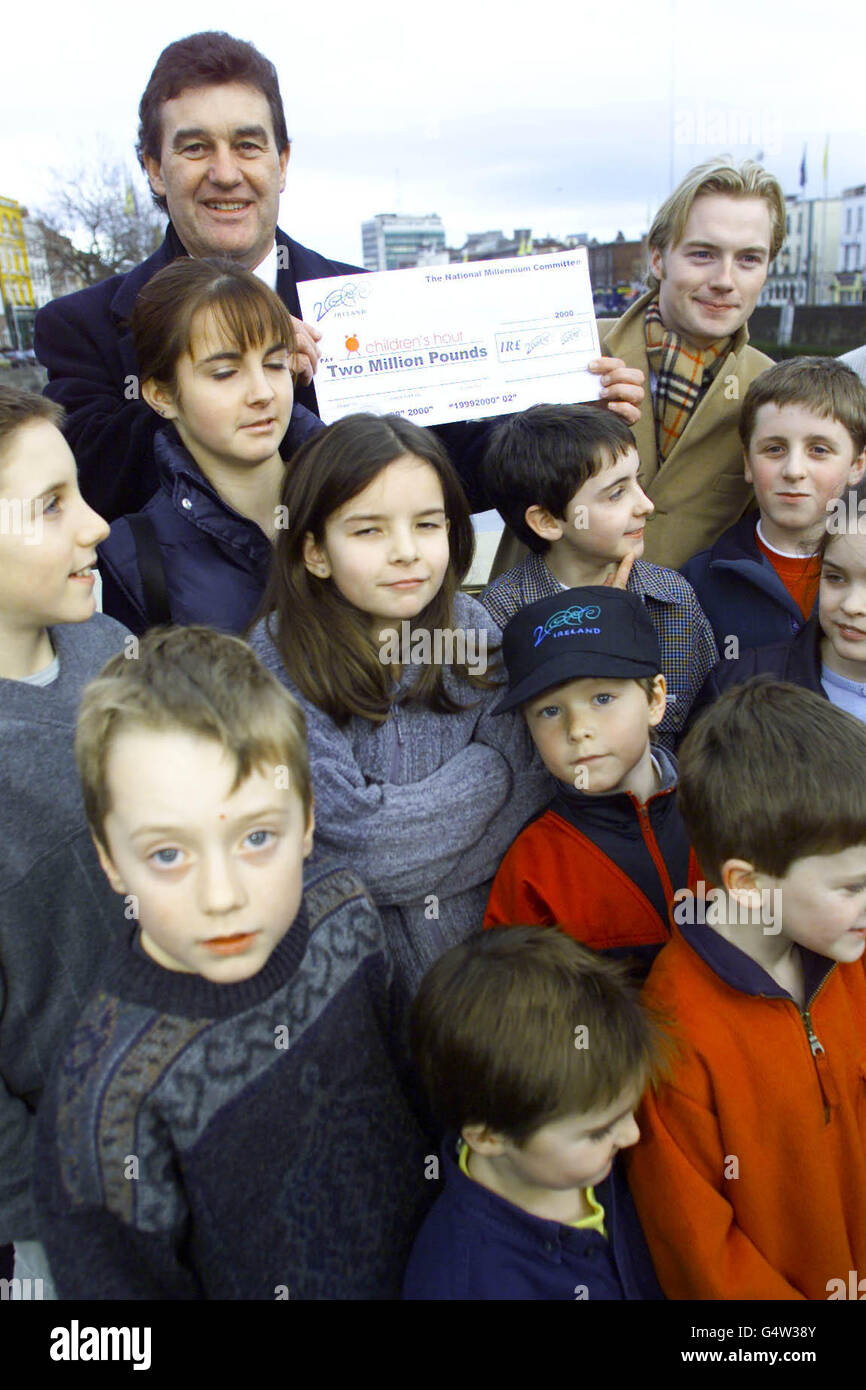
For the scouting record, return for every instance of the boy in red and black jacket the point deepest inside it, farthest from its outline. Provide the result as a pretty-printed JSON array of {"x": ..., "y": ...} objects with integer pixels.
[{"x": 607, "y": 856}]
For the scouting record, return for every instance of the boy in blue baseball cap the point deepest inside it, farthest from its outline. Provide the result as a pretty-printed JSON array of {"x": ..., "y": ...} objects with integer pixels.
[{"x": 606, "y": 857}]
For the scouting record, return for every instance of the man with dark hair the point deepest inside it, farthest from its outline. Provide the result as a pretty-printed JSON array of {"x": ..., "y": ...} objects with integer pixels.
[{"x": 214, "y": 145}]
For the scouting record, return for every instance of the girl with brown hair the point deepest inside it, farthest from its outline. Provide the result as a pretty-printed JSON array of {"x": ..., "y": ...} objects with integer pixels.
[
  {"x": 416, "y": 786},
  {"x": 215, "y": 349}
]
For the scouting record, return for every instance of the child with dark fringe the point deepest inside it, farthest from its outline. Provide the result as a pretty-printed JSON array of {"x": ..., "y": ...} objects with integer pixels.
[
  {"x": 566, "y": 479},
  {"x": 534, "y": 1052}
]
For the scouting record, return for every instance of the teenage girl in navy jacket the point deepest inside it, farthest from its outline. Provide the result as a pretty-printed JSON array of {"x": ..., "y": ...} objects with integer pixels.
[{"x": 215, "y": 348}]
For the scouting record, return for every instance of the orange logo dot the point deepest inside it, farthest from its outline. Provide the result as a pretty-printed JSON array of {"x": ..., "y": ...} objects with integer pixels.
[{"x": 352, "y": 343}]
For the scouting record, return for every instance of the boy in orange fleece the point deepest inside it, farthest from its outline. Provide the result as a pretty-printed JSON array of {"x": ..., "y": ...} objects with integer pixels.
[{"x": 760, "y": 1130}]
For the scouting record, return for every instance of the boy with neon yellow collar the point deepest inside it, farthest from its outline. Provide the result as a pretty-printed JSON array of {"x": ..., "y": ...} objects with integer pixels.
[{"x": 534, "y": 1206}]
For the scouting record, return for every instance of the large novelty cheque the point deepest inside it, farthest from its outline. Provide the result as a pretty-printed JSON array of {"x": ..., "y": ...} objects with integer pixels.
[{"x": 455, "y": 342}]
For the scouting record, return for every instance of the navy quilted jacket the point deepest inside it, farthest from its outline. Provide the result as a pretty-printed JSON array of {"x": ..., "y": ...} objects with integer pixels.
[
  {"x": 216, "y": 561},
  {"x": 740, "y": 592},
  {"x": 797, "y": 661},
  {"x": 85, "y": 341}
]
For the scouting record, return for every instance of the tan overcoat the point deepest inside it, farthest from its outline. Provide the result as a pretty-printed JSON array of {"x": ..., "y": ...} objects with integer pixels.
[{"x": 699, "y": 490}]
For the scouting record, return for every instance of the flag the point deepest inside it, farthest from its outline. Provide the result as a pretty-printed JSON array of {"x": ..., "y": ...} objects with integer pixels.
[
  {"x": 803, "y": 169},
  {"x": 826, "y": 157}
]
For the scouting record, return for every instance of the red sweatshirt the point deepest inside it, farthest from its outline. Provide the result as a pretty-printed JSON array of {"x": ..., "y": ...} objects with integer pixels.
[
  {"x": 603, "y": 868},
  {"x": 750, "y": 1175}
]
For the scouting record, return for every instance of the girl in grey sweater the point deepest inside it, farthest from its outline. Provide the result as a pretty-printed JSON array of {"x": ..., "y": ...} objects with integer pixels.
[{"x": 416, "y": 786}]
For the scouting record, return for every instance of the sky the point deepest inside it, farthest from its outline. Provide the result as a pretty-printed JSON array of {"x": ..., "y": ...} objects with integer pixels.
[{"x": 564, "y": 117}]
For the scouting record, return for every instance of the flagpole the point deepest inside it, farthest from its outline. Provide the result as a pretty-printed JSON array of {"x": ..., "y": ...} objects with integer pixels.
[
  {"x": 672, "y": 31},
  {"x": 803, "y": 179},
  {"x": 824, "y": 215}
]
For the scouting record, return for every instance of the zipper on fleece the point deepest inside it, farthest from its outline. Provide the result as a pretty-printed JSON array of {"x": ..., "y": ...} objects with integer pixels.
[
  {"x": 816, "y": 1047},
  {"x": 656, "y": 855}
]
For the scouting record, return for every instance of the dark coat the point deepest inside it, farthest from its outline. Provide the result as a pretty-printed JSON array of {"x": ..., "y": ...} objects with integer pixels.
[
  {"x": 797, "y": 661},
  {"x": 84, "y": 342},
  {"x": 216, "y": 561},
  {"x": 476, "y": 1245},
  {"x": 740, "y": 592}
]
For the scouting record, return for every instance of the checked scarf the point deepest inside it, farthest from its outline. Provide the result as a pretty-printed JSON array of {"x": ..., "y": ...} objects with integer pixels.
[{"x": 681, "y": 373}]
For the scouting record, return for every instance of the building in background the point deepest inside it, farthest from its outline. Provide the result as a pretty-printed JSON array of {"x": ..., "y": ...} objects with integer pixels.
[
  {"x": 16, "y": 289},
  {"x": 805, "y": 270},
  {"x": 851, "y": 263},
  {"x": 434, "y": 255},
  {"x": 32, "y": 272},
  {"x": 60, "y": 255},
  {"x": 852, "y": 237},
  {"x": 493, "y": 246},
  {"x": 392, "y": 241},
  {"x": 616, "y": 270},
  {"x": 37, "y": 257}
]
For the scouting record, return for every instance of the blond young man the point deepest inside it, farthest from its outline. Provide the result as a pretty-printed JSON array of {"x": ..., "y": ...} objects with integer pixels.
[{"x": 711, "y": 245}]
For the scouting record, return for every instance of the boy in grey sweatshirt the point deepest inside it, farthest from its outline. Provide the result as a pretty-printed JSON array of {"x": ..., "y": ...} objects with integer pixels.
[{"x": 57, "y": 913}]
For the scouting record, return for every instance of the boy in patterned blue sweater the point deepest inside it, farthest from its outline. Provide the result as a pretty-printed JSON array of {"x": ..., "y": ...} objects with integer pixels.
[
  {"x": 566, "y": 479},
  {"x": 231, "y": 1116}
]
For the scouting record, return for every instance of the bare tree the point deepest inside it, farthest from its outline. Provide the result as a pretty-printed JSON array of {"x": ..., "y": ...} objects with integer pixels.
[{"x": 99, "y": 222}]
